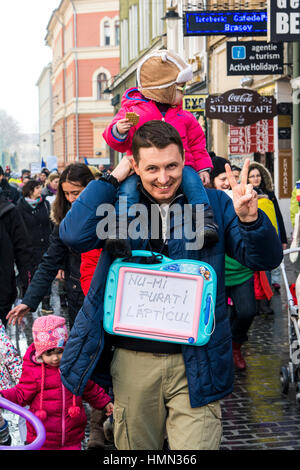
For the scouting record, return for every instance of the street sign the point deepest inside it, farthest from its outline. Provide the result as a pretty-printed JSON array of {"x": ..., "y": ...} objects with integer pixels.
[
  {"x": 258, "y": 137},
  {"x": 254, "y": 58},
  {"x": 228, "y": 23},
  {"x": 284, "y": 20},
  {"x": 194, "y": 103},
  {"x": 240, "y": 107}
]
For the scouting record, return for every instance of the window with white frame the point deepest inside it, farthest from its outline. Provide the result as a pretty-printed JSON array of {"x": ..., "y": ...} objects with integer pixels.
[
  {"x": 107, "y": 33},
  {"x": 133, "y": 40},
  {"x": 102, "y": 84},
  {"x": 117, "y": 33},
  {"x": 124, "y": 43},
  {"x": 144, "y": 23},
  {"x": 157, "y": 14}
]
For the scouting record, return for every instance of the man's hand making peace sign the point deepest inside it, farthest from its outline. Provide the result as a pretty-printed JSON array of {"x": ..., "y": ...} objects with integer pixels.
[{"x": 244, "y": 196}]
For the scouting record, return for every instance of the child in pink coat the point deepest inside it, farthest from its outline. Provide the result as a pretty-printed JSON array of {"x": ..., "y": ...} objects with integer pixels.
[
  {"x": 40, "y": 386},
  {"x": 161, "y": 78}
]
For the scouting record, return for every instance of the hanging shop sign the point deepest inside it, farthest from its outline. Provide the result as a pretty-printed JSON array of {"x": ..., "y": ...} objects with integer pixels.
[
  {"x": 228, "y": 23},
  {"x": 284, "y": 20},
  {"x": 258, "y": 137},
  {"x": 194, "y": 103},
  {"x": 254, "y": 58},
  {"x": 240, "y": 107}
]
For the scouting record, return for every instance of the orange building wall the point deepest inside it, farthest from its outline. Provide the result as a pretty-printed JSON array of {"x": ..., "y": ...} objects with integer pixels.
[
  {"x": 86, "y": 69},
  {"x": 88, "y": 27},
  {"x": 86, "y": 141}
]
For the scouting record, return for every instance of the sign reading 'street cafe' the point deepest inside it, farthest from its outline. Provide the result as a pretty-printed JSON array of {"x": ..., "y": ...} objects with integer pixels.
[
  {"x": 254, "y": 58},
  {"x": 284, "y": 20},
  {"x": 240, "y": 107}
]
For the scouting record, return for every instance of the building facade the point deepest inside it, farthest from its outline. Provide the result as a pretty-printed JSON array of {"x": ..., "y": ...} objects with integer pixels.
[
  {"x": 84, "y": 36},
  {"x": 45, "y": 113}
]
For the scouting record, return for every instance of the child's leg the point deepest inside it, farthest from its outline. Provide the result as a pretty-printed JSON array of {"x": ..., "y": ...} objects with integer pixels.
[
  {"x": 128, "y": 193},
  {"x": 194, "y": 190},
  {"x": 118, "y": 245}
]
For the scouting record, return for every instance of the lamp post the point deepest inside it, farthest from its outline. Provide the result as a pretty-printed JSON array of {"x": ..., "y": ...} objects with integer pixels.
[{"x": 174, "y": 29}]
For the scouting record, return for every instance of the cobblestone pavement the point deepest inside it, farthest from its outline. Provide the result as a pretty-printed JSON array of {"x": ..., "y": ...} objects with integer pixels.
[{"x": 256, "y": 415}]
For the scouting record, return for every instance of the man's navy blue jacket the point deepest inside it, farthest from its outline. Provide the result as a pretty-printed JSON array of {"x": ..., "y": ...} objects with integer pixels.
[{"x": 209, "y": 368}]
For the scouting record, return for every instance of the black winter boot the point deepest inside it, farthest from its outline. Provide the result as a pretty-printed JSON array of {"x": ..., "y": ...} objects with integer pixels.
[
  {"x": 263, "y": 307},
  {"x": 211, "y": 236}
]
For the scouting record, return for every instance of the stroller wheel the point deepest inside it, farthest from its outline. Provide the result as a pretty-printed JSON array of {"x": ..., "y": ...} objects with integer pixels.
[{"x": 284, "y": 380}]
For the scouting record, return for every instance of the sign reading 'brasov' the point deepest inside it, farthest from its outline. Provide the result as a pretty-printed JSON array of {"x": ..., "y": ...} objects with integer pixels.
[{"x": 240, "y": 107}]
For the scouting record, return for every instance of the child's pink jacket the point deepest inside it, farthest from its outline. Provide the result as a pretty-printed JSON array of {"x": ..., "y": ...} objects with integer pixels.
[
  {"x": 61, "y": 429},
  {"x": 190, "y": 131}
]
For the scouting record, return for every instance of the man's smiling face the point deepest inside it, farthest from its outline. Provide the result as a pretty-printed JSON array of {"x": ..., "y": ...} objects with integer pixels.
[{"x": 160, "y": 171}]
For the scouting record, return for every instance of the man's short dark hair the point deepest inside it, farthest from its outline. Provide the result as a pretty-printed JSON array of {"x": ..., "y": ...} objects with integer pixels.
[
  {"x": 157, "y": 134},
  {"x": 29, "y": 187},
  {"x": 235, "y": 168}
]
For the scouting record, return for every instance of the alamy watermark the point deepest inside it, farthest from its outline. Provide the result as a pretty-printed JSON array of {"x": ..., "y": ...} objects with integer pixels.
[{"x": 186, "y": 222}]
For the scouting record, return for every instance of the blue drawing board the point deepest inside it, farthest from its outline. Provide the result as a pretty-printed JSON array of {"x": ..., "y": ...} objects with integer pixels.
[{"x": 171, "y": 300}]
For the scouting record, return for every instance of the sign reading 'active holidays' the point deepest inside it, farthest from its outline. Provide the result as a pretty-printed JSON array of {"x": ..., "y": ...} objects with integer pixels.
[
  {"x": 240, "y": 107},
  {"x": 254, "y": 58},
  {"x": 228, "y": 23}
]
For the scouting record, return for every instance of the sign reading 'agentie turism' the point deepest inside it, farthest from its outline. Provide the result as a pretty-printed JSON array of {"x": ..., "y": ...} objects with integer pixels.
[
  {"x": 240, "y": 107},
  {"x": 228, "y": 23},
  {"x": 254, "y": 58}
]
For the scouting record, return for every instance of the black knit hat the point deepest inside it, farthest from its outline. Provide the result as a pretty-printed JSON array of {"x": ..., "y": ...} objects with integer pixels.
[{"x": 218, "y": 166}]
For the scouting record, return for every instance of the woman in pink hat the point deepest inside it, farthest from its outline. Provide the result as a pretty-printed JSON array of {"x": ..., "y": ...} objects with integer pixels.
[{"x": 41, "y": 388}]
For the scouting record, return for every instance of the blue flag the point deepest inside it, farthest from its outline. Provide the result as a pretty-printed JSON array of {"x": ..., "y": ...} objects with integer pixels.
[
  {"x": 85, "y": 161},
  {"x": 43, "y": 164}
]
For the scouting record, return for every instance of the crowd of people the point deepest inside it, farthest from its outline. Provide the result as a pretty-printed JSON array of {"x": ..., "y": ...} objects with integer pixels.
[{"x": 48, "y": 231}]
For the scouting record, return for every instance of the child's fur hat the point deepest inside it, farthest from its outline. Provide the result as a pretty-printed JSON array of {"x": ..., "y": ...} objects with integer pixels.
[{"x": 159, "y": 72}]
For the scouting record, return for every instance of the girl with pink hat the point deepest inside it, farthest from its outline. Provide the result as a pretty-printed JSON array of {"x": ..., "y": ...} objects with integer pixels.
[{"x": 40, "y": 387}]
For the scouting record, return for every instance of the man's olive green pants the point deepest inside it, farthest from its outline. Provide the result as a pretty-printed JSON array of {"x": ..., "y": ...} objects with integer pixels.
[{"x": 152, "y": 401}]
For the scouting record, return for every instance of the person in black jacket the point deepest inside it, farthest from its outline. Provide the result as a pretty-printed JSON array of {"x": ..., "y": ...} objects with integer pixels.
[
  {"x": 34, "y": 210},
  {"x": 8, "y": 190},
  {"x": 14, "y": 248},
  {"x": 59, "y": 256}
]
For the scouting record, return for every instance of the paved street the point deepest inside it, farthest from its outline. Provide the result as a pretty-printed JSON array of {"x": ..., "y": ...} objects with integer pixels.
[{"x": 256, "y": 415}]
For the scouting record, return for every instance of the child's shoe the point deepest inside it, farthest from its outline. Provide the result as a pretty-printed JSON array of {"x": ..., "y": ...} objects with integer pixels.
[
  {"x": 211, "y": 236},
  {"x": 5, "y": 438},
  {"x": 118, "y": 248},
  {"x": 46, "y": 307}
]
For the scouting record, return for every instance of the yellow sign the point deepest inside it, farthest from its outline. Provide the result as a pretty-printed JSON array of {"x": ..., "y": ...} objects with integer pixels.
[
  {"x": 194, "y": 103},
  {"x": 267, "y": 90}
]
